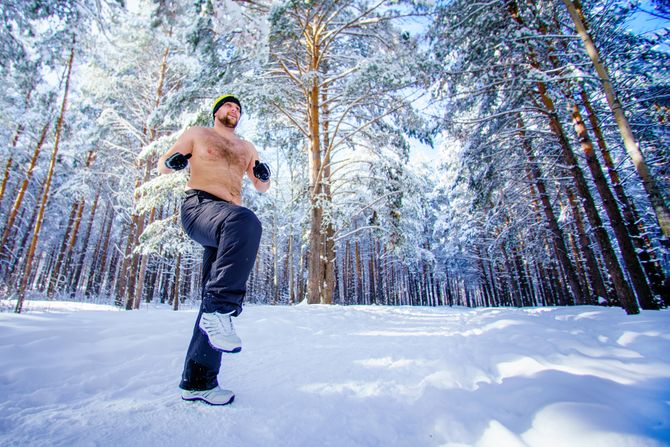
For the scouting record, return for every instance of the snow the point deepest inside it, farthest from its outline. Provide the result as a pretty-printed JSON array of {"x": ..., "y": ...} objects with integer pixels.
[{"x": 76, "y": 374}]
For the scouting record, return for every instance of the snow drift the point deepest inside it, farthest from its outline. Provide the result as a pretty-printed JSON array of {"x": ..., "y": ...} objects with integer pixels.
[{"x": 73, "y": 374}]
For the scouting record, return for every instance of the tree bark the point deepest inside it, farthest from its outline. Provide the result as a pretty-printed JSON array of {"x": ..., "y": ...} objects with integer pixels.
[
  {"x": 656, "y": 195},
  {"x": 5, "y": 178},
  {"x": 315, "y": 265},
  {"x": 289, "y": 268},
  {"x": 122, "y": 278},
  {"x": 79, "y": 262},
  {"x": 136, "y": 286},
  {"x": 139, "y": 287},
  {"x": 329, "y": 255},
  {"x": 175, "y": 295},
  {"x": 47, "y": 186},
  {"x": 593, "y": 272},
  {"x": 15, "y": 141},
  {"x": 97, "y": 273},
  {"x": 558, "y": 240},
  {"x": 628, "y": 253},
  {"x": 22, "y": 190},
  {"x": 655, "y": 274},
  {"x": 17, "y": 266},
  {"x": 625, "y": 294}
]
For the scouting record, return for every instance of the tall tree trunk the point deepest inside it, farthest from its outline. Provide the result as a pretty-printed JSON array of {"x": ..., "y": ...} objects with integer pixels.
[
  {"x": 47, "y": 186},
  {"x": 67, "y": 262},
  {"x": 488, "y": 295},
  {"x": 136, "y": 286},
  {"x": 624, "y": 292},
  {"x": 55, "y": 265},
  {"x": 315, "y": 274},
  {"x": 15, "y": 141},
  {"x": 359, "y": 273},
  {"x": 122, "y": 278},
  {"x": 79, "y": 262},
  {"x": 17, "y": 266},
  {"x": 558, "y": 240},
  {"x": 616, "y": 219},
  {"x": 175, "y": 296},
  {"x": 315, "y": 286},
  {"x": 594, "y": 275},
  {"x": 22, "y": 190},
  {"x": 373, "y": 273},
  {"x": 54, "y": 278},
  {"x": 655, "y": 193},
  {"x": 144, "y": 262},
  {"x": 5, "y": 178},
  {"x": 275, "y": 293},
  {"x": 96, "y": 275},
  {"x": 289, "y": 268},
  {"x": 655, "y": 274},
  {"x": 514, "y": 285},
  {"x": 329, "y": 255}
]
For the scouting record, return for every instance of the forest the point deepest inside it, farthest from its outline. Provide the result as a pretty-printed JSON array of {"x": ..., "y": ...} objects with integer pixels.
[{"x": 430, "y": 153}]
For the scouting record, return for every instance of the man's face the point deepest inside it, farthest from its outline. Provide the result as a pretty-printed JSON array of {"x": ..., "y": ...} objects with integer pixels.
[{"x": 228, "y": 114}]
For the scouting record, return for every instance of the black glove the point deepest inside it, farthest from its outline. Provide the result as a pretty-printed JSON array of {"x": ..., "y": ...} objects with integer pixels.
[
  {"x": 177, "y": 161},
  {"x": 262, "y": 171}
]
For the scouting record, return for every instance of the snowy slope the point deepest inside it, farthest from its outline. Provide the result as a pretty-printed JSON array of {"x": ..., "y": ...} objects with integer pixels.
[{"x": 75, "y": 375}]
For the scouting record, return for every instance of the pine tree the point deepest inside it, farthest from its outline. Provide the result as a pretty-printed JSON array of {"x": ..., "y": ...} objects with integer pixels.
[{"x": 336, "y": 76}]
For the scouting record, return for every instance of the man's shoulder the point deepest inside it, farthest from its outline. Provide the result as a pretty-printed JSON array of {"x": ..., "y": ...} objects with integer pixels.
[
  {"x": 198, "y": 130},
  {"x": 197, "y": 133}
]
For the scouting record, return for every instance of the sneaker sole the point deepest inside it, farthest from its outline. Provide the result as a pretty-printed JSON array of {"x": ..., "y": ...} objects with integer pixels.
[
  {"x": 234, "y": 351},
  {"x": 208, "y": 402}
]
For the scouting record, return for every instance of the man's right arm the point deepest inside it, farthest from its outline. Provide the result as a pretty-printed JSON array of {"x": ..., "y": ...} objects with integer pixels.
[{"x": 183, "y": 145}]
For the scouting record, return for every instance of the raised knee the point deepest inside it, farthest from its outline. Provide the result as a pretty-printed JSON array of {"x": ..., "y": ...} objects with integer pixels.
[{"x": 248, "y": 219}]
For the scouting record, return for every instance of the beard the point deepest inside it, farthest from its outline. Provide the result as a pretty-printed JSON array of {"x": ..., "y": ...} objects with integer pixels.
[{"x": 228, "y": 121}]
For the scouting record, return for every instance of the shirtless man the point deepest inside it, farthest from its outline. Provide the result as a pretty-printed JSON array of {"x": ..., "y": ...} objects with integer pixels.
[{"x": 212, "y": 215}]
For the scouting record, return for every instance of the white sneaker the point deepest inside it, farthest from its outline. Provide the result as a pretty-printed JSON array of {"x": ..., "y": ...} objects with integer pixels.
[
  {"x": 215, "y": 396},
  {"x": 220, "y": 331}
]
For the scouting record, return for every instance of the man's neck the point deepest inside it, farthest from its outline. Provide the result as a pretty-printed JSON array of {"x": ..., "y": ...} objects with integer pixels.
[{"x": 224, "y": 130}]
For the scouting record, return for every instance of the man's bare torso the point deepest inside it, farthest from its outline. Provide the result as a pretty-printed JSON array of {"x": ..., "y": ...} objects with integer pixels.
[{"x": 218, "y": 163}]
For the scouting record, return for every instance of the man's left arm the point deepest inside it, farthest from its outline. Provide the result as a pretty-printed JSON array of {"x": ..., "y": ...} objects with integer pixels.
[{"x": 260, "y": 185}]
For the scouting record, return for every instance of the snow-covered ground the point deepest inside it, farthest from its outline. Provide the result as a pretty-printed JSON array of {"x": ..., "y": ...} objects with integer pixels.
[{"x": 78, "y": 375}]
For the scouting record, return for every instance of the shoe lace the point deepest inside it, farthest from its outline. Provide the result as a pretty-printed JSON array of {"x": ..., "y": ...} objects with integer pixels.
[{"x": 226, "y": 324}]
